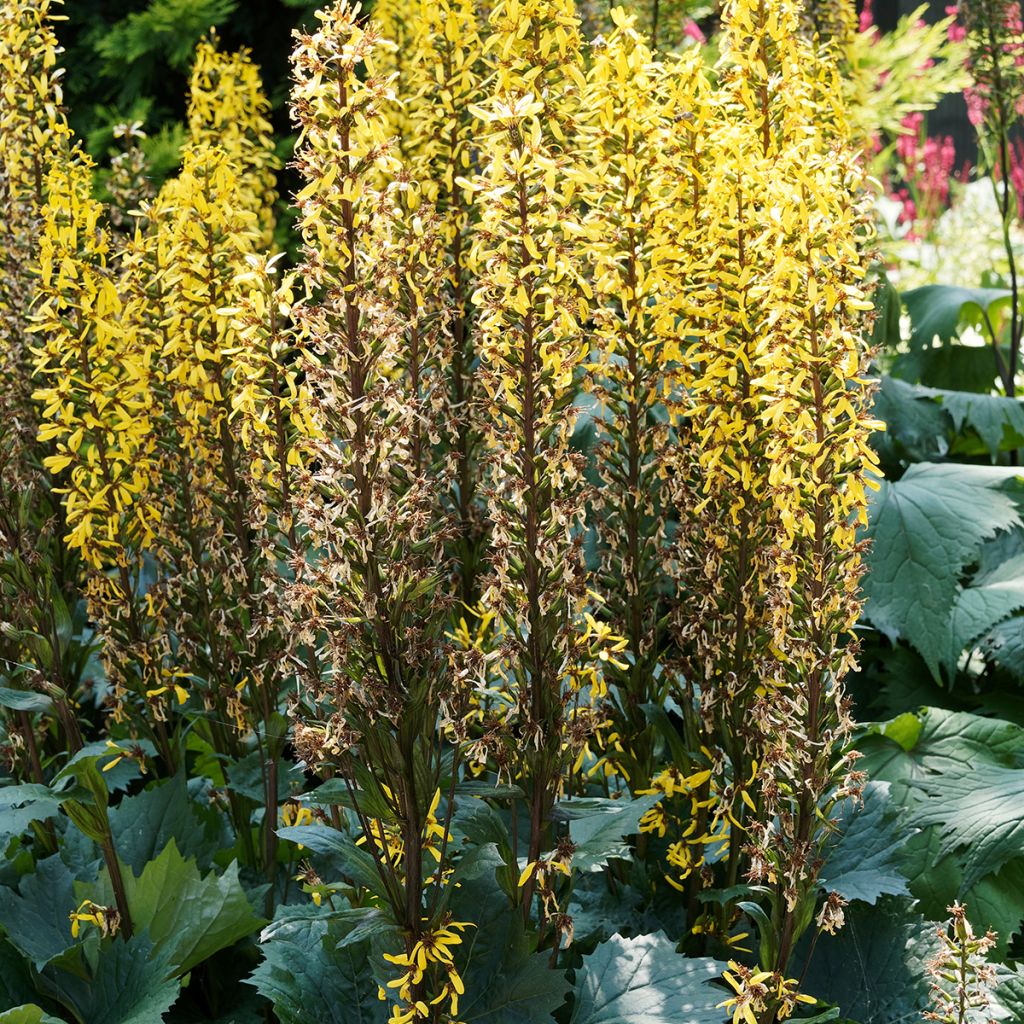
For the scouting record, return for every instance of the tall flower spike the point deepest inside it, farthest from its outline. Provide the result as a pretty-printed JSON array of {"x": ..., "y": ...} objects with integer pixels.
[
  {"x": 443, "y": 81},
  {"x": 800, "y": 242},
  {"x": 726, "y": 514},
  {"x": 228, "y": 108},
  {"x": 95, "y": 376},
  {"x": 271, "y": 403},
  {"x": 33, "y": 136},
  {"x": 370, "y": 603},
  {"x": 531, "y": 302},
  {"x": 96, "y": 401},
  {"x": 817, "y": 423},
  {"x": 628, "y": 120},
  {"x": 183, "y": 267}
]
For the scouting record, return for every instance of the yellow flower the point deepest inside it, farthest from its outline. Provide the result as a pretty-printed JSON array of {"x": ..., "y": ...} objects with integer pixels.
[
  {"x": 106, "y": 919},
  {"x": 432, "y": 950},
  {"x": 751, "y": 993}
]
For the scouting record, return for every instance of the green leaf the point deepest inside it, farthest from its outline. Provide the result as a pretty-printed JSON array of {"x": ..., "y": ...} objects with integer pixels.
[
  {"x": 997, "y": 902},
  {"x": 144, "y": 824},
  {"x": 87, "y": 766},
  {"x": 309, "y": 978},
  {"x": 978, "y": 812},
  {"x": 643, "y": 980},
  {"x": 886, "y": 299},
  {"x": 916, "y": 429},
  {"x": 481, "y": 790},
  {"x": 998, "y": 421},
  {"x": 938, "y": 310},
  {"x": 935, "y": 741},
  {"x": 874, "y": 967},
  {"x": 356, "y": 862},
  {"x": 1010, "y": 992},
  {"x": 188, "y": 917},
  {"x": 24, "y": 700},
  {"x": 245, "y": 776},
  {"x": 989, "y": 599},
  {"x": 598, "y": 913},
  {"x": 598, "y": 827},
  {"x": 16, "y": 985},
  {"x": 1004, "y": 645},
  {"x": 952, "y": 366},
  {"x": 506, "y": 981},
  {"x": 27, "y": 1014},
  {"x": 128, "y": 985},
  {"x": 919, "y": 419},
  {"x": 925, "y": 529},
  {"x": 863, "y": 861},
  {"x": 36, "y": 917},
  {"x": 21, "y": 805}
]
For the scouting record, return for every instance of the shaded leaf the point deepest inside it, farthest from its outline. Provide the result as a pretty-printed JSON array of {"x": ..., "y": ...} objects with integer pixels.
[
  {"x": 188, "y": 917},
  {"x": 310, "y": 979},
  {"x": 356, "y": 862},
  {"x": 979, "y": 812},
  {"x": 28, "y": 1014},
  {"x": 938, "y": 310},
  {"x": 873, "y": 968},
  {"x": 863, "y": 860},
  {"x": 16, "y": 985},
  {"x": 24, "y": 700},
  {"x": 36, "y": 917},
  {"x": 128, "y": 985},
  {"x": 643, "y": 980},
  {"x": 599, "y": 827},
  {"x": 144, "y": 824},
  {"x": 925, "y": 529},
  {"x": 506, "y": 981},
  {"x": 21, "y": 805},
  {"x": 990, "y": 598}
]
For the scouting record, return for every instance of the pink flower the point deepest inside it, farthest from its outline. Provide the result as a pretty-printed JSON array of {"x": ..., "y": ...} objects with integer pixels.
[
  {"x": 692, "y": 31},
  {"x": 957, "y": 33},
  {"x": 867, "y": 18}
]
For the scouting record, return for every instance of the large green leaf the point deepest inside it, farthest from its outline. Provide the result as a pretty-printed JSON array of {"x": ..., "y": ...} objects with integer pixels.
[
  {"x": 599, "y": 827},
  {"x": 143, "y": 825},
  {"x": 990, "y": 598},
  {"x": 941, "y": 766},
  {"x": 129, "y": 984},
  {"x": 21, "y": 805},
  {"x": 939, "y": 310},
  {"x": 916, "y": 429},
  {"x": 921, "y": 421},
  {"x": 936, "y": 741},
  {"x": 1004, "y": 645},
  {"x": 355, "y": 861},
  {"x": 925, "y": 530},
  {"x": 874, "y": 967},
  {"x": 24, "y": 700},
  {"x": 979, "y": 812},
  {"x": 997, "y": 902},
  {"x": 309, "y": 978},
  {"x": 27, "y": 1014},
  {"x": 863, "y": 860},
  {"x": 188, "y": 917},
  {"x": 1010, "y": 992},
  {"x": 643, "y": 980},
  {"x": 36, "y": 917},
  {"x": 506, "y": 981},
  {"x": 16, "y": 985}
]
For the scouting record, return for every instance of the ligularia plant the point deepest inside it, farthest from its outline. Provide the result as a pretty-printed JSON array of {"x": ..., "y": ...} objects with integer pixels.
[{"x": 495, "y": 566}]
